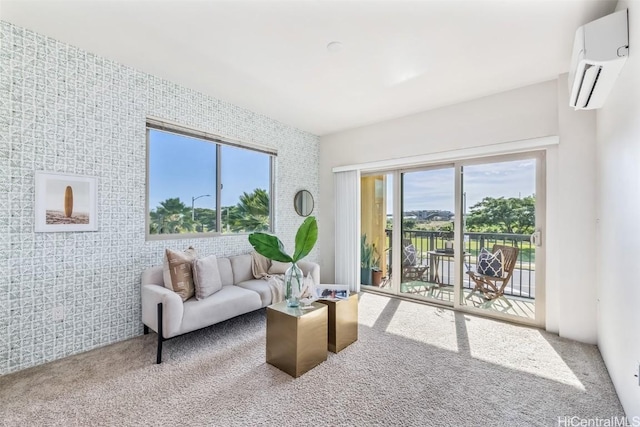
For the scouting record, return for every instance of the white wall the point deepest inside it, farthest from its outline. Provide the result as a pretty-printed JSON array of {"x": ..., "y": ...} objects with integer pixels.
[
  {"x": 524, "y": 113},
  {"x": 573, "y": 301},
  {"x": 618, "y": 201},
  {"x": 528, "y": 112}
]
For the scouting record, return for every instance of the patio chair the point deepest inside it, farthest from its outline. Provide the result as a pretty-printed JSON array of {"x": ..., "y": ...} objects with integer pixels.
[
  {"x": 492, "y": 287},
  {"x": 411, "y": 270}
]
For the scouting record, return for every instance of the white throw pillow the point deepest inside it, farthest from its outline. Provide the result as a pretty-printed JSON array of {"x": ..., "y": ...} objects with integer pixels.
[
  {"x": 206, "y": 276},
  {"x": 278, "y": 267}
]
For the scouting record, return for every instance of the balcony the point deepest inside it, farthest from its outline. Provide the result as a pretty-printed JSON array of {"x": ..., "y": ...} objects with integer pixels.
[{"x": 438, "y": 279}]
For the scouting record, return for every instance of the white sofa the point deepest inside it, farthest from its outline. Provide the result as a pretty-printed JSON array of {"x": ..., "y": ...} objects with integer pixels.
[{"x": 164, "y": 312}]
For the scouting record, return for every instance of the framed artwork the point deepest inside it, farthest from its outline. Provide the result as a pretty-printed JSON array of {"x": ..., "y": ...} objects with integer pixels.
[
  {"x": 332, "y": 292},
  {"x": 66, "y": 202}
]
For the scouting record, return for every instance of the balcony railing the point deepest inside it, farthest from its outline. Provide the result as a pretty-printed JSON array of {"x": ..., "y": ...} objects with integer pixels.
[{"x": 522, "y": 283}]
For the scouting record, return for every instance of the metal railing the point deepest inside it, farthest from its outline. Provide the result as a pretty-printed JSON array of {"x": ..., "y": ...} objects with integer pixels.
[{"x": 522, "y": 283}]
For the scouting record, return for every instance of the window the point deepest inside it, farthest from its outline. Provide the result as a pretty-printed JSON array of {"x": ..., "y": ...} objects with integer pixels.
[{"x": 200, "y": 184}]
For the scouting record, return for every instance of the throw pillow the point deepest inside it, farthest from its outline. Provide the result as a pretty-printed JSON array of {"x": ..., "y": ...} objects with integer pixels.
[
  {"x": 278, "y": 267},
  {"x": 409, "y": 255},
  {"x": 490, "y": 264},
  {"x": 177, "y": 272},
  {"x": 206, "y": 276}
]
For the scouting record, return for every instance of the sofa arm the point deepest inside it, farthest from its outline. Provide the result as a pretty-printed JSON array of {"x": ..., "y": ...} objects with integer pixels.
[
  {"x": 310, "y": 267},
  {"x": 172, "y": 309}
]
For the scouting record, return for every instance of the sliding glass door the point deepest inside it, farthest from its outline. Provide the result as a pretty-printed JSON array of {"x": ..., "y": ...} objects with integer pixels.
[
  {"x": 430, "y": 233},
  {"x": 427, "y": 230},
  {"x": 502, "y": 225}
]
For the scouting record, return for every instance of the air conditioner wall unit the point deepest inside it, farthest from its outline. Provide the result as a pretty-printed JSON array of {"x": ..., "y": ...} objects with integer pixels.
[{"x": 600, "y": 50}]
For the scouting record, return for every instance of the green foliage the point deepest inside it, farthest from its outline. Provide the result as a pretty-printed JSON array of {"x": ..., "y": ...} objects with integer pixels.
[
  {"x": 171, "y": 216},
  {"x": 445, "y": 230},
  {"x": 174, "y": 217},
  {"x": 271, "y": 247},
  {"x": 502, "y": 215},
  {"x": 369, "y": 257},
  {"x": 251, "y": 213},
  {"x": 306, "y": 238},
  {"x": 409, "y": 224},
  {"x": 205, "y": 219}
]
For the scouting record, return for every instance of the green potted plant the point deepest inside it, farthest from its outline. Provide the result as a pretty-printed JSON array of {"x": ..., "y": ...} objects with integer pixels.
[
  {"x": 367, "y": 254},
  {"x": 376, "y": 272},
  {"x": 271, "y": 247}
]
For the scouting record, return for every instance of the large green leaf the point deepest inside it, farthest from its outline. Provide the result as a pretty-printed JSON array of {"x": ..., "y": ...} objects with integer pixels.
[
  {"x": 269, "y": 246},
  {"x": 305, "y": 238}
]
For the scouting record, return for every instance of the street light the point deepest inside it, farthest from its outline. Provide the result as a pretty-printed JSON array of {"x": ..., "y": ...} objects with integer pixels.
[
  {"x": 193, "y": 199},
  {"x": 227, "y": 223}
]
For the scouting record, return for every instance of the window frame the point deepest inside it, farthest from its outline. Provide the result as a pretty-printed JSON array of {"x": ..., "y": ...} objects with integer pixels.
[{"x": 218, "y": 141}]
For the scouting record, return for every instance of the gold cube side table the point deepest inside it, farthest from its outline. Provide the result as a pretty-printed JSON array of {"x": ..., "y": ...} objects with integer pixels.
[
  {"x": 343, "y": 322},
  {"x": 296, "y": 338}
]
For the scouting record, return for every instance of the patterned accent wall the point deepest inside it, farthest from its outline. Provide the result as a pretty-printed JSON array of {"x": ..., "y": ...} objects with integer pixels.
[{"x": 66, "y": 110}]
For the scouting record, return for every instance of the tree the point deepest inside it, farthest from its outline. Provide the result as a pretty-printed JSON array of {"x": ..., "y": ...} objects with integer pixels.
[
  {"x": 251, "y": 213},
  {"x": 503, "y": 215},
  {"x": 408, "y": 224},
  {"x": 205, "y": 219},
  {"x": 171, "y": 217}
]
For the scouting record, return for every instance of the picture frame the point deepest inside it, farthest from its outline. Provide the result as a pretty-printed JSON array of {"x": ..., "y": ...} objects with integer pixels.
[
  {"x": 65, "y": 202},
  {"x": 331, "y": 292}
]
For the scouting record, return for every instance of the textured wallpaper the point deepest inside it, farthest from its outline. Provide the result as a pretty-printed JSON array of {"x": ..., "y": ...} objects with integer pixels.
[{"x": 66, "y": 110}]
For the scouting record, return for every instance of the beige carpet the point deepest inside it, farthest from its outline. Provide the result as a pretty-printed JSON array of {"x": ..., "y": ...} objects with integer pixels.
[{"x": 413, "y": 365}]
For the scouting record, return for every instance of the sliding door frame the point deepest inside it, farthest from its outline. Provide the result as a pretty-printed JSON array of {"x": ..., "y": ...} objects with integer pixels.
[
  {"x": 396, "y": 262},
  {"x": 400, "y": 209},
  {"x": 541, "y": 215}
]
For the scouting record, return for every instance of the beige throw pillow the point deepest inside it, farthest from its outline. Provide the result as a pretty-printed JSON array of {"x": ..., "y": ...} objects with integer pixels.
[
  {"x": 206, "y": 276},
  {"x": 278, "y": 267},
  {"x": 177, "y": 272}
]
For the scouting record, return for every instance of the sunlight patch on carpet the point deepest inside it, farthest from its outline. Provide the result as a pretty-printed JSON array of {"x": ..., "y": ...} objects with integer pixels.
[{"x": 519, "y": 348}]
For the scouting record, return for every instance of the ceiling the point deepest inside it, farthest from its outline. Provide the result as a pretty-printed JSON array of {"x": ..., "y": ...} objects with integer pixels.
[{"x": 398, "y": 57}]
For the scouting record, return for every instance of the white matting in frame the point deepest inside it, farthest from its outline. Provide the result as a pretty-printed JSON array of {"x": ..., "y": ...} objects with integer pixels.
[{"x": 66, "y": 202}]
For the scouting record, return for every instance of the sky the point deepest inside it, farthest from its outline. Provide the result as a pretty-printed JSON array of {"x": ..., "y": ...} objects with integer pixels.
[
  {"x": 434, "y": 189},
  {"x": 185, "y": 167}
]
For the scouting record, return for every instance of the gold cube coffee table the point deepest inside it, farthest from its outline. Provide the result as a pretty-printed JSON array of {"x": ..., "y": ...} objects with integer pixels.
[
  {"x": 343, "y": 322},
  {"x": 296, "y": 338}
]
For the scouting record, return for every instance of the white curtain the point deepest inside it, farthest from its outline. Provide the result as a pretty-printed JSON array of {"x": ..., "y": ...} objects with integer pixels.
[{"x": 347, "y": 229}]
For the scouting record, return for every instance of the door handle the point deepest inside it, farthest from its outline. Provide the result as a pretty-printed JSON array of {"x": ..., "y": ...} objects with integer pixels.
[{"x": 536, "y": 238}]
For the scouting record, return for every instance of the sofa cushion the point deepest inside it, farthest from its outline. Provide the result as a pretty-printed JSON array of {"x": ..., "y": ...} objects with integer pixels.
[
  {"x": 260, "y": 286},
  {"x": 278, "y": 267},
  {"x": 228, "y": 302},
  {"x": 177, "y": 272},
  {"x": 206, "y": 276},
  {"x": 226, "y": 274},
  {"x": 241, "y": 266}
]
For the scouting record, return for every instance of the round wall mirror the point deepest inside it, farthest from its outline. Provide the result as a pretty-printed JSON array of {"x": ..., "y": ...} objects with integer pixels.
[{"x": 303, "y": 203}]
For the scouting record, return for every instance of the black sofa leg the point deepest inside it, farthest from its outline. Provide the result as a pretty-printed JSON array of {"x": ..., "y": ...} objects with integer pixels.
[
  {"x": 160, "y": 337},
  {"x": 145, "y": 329}
]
